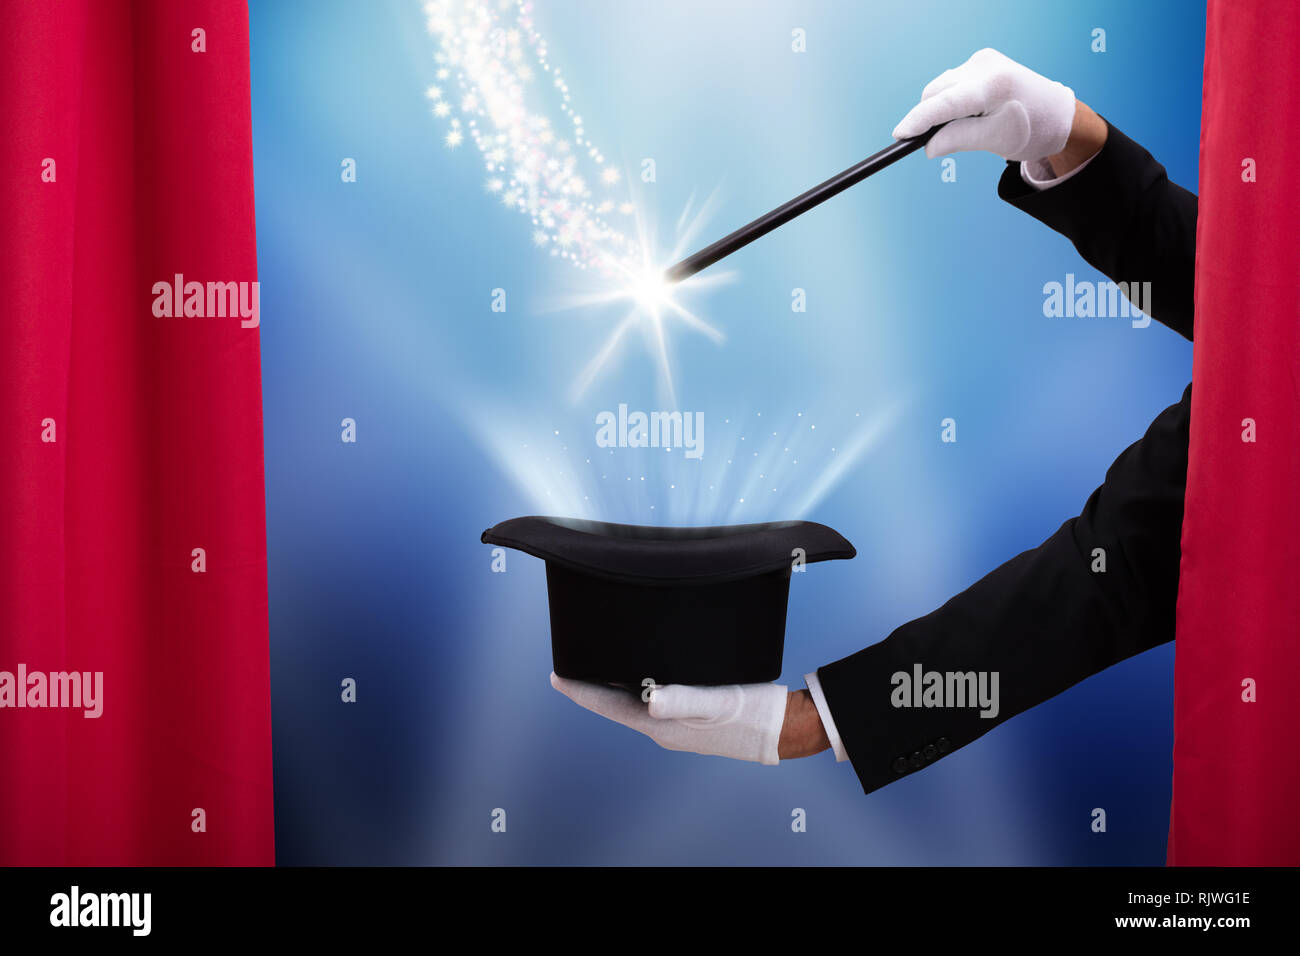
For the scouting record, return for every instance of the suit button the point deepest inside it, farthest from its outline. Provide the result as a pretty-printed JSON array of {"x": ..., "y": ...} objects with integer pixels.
[
  {"x": 929, "y": 751},
  {"x": 900, "y": 765},
  {"x": 944, "y": 745},
  {"x": 917, "y": 761}
]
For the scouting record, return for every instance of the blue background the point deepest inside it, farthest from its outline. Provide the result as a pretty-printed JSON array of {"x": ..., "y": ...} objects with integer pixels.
[{"x": 924, "y": 301}]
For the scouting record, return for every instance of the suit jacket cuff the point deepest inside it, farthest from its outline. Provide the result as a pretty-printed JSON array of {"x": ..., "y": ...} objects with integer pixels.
[
  {"x": 882, "y": 743},
  {"x": 1074, "y": 207}
]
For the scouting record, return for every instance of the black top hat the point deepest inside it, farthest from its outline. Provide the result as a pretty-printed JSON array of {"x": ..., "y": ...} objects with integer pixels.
[{"x": 676, "y": 605}]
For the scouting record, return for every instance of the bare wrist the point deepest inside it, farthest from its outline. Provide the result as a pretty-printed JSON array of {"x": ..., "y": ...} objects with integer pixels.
[
  {"x": 1087, "y": 137},
  {"x": 802, "y": 734}
]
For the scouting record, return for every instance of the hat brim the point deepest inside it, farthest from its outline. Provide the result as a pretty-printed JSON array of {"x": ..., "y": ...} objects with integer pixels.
[{"x": 649, "y": 555}]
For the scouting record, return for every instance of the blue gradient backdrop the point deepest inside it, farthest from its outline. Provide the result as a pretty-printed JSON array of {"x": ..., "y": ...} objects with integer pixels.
[{"x": 924, "y": 301}]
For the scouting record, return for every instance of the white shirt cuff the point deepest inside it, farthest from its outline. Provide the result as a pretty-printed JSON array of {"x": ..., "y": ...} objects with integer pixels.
[
  {"x": 824, "y": 712},
  {"x": 1038, "y": 173}
]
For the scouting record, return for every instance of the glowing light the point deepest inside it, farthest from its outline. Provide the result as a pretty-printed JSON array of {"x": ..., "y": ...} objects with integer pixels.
[
  {"x": 495, "y": 46},
  {"x": 650, "y": 290}
]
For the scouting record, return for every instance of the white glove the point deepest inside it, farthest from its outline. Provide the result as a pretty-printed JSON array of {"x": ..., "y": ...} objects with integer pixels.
[
  {"x": 994, "y": 104},
  {"x": 741, "y": 721}
]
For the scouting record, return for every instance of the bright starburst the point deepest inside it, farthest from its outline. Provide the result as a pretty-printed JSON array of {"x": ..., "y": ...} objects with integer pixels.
[{"x": 546, "y": 173}]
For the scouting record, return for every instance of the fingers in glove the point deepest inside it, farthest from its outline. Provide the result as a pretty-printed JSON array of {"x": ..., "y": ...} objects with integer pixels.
[
  {"x": 613, "y": 703},
  {"x": 698, "y": 705},
  {"x": 941, "y": 82},
  {"x": 959, "y": 100}
]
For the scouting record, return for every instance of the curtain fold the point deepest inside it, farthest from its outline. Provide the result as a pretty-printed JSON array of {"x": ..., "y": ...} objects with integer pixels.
[
  {"x": 1236, "y": 781},
  {"x": 133, "y": 498}
]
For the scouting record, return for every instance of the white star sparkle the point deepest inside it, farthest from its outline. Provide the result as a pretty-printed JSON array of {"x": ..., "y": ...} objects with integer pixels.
[{"x": 497, "y": 52}]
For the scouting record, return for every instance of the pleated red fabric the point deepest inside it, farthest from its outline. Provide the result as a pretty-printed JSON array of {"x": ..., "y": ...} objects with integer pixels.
[
  {"x": 134, "y": 440},
  {"x": 1236, "y": 786}
]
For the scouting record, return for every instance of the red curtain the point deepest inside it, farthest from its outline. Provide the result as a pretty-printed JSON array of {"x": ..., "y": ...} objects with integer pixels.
[
  {"x": 1237, "y": 677},
  {"x": 133, "y": 440}
]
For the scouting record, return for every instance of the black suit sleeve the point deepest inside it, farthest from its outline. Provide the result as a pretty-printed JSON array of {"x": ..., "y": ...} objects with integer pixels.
[
  {"x": 1049, "y": 618},
  {"x": 1126, "y": 219}
]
